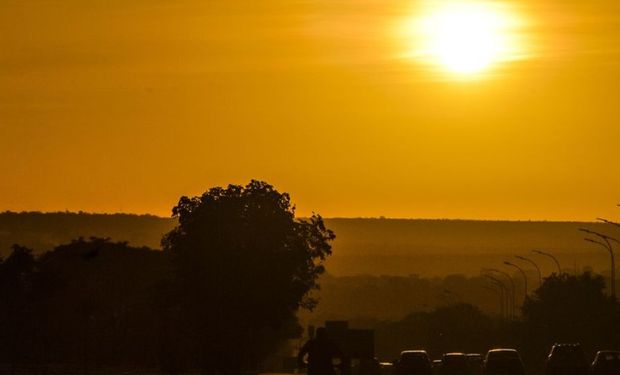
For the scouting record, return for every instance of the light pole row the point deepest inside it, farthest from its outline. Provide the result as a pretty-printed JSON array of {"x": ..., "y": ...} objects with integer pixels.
[
  {"x": 605, "y": 242},
  {"x": 524, "y": 277},
  {"x": 503, "y": 302},
  {"x": 550, "y": 256},
  {"x": 508, "y": 295},
  {"x": 533, "y": 264}
]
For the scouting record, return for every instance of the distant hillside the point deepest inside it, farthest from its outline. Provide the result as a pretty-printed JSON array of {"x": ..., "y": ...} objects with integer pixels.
[
  {"x": 362, "y": 246},
  {"x": 439, "y": 247},
  {"x": 42, "y": 231}
]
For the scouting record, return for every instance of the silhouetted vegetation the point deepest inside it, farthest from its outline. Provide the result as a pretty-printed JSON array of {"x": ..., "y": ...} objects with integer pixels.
[
  {"x": 572, "y": 308},
  {"x": 88, "y": 302},
  {"x": 221, "y": 297},
  {"x": 44, "y": 231},
  {"x": 370, "y": 298},
  {"x": 97, "y": 303},
  {"x": 238, "y": 270},
  {"x": 566, "y": 308},
  {"x": 243, "y": 267}
]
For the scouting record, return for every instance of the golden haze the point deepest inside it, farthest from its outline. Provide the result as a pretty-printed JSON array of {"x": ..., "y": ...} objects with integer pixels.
[{"x": 108, "y": 106}]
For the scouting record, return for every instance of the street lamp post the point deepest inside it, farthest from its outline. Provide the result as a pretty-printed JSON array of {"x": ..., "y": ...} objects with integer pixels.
[
  {"x": 552, "y": 257},
  {"x": 535, "y": 266},
  {"x": 502, "y": 293},
  {"x": 524, "y": 278},
  {"x": 608, "y": 221},
  {"x": 512, "y": 290},
  {"x": 607, "y": 245}
]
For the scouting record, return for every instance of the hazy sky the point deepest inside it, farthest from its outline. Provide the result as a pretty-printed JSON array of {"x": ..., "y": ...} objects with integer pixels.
[{"x": 126, "y": 105}]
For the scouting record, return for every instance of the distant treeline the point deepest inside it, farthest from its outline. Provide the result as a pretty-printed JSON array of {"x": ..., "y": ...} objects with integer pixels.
[
  {"x": 381, "y": 298},
  {"x": 363, "y": 246},
  {"x": 220, "y": 297},
  {"x": 88, "y": 302},
  {"x": 44, "y": 231},
  {"x": 95, "y": 304}
]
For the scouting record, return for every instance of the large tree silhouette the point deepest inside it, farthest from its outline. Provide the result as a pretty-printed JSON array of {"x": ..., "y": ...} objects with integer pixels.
[
  {"x": 244, "y": 266},
  {"x": 572, "y": 308}
]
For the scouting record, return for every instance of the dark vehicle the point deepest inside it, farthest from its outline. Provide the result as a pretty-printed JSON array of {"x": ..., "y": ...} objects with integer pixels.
[
  {"x": 387, "y": 368},
  {"x": 436, "y": 366},
  {"x": 367, "y": 366},
  {"x": 475, "y": 363},
  {"x": 606, "y": 362},
  {"x": 567, "y": 359},
  {"x": 503, "y": 362},
  {"x": 455, "y": 364},
  {"x": 413, "y": 362}
]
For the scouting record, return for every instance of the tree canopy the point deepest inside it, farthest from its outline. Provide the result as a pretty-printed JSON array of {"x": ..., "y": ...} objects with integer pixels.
[
  {"x": 572, "y": 308},
  {"x": 244, "y": 265}
]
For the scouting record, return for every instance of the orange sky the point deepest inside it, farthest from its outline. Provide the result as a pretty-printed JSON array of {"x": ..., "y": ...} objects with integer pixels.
[{"x": 126, "y": 105}]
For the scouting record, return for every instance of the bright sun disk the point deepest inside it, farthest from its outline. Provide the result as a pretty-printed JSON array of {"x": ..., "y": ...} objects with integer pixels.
[{"x": 466, "y": 37}]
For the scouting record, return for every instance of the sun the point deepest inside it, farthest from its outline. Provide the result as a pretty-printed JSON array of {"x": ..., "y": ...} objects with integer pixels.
[{"x": 466, "y": 37}]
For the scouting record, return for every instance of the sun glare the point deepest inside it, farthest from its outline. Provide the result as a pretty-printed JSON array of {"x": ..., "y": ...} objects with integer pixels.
[{"x": 466, "y": 37}]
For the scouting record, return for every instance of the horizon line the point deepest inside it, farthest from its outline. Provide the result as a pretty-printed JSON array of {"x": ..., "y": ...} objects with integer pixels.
[{"x": 380, "y": 217}]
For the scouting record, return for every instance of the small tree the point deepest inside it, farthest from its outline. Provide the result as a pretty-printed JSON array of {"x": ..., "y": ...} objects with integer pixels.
[
  {"x": 572, "y": 308},
  {"x": 244, "y": 266}
]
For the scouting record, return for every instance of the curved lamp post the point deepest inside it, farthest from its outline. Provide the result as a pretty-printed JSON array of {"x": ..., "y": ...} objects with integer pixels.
[
  {"x": 512, "y": 290},
  {"x": 524, "y": 278},
  {"x": 552, "y": 257},
  {"x": 607, "y": 245},
  {"x": 608, "y": 221},
  {"x": 502, "y": 293},
  {"x": 607, "y": 239},
  {"x": 535, "y": 266}
]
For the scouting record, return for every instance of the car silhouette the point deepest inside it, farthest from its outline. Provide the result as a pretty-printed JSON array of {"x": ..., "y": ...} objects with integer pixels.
[
  {"x": 503, "y": 362},
  {"x": 387, "y": 368},
  {"x": 606, "y": 362},
  {"x": 475, "y": 362},
  {"x": 455, "y": 364},
  {"x": 436, "y": 366},
  {"x": 567, "y": 359},
  {"x": 413, "y": 362}
]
